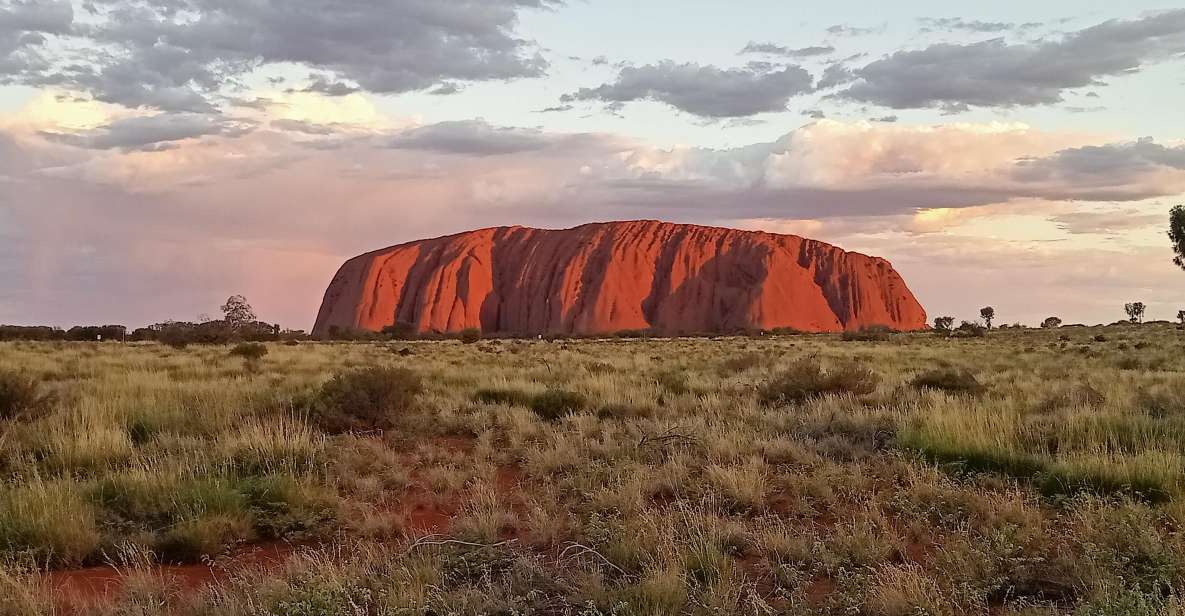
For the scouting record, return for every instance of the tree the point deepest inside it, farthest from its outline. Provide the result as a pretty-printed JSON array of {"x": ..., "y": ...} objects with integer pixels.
[
  {"x": 1181, "y": 316},
  {"x": 238, "y": 313},
  {"x": 988, "y": 314},
  {"x": 1135, "y": 312},
  {"x": 944, "y": 323},
  {"x": 1177, "y": 234},
  {"x": 1051, "y": 323}
]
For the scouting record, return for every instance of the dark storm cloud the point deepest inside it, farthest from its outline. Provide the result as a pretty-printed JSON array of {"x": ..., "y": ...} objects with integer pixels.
[
  {"x": 997, "y": 73},
  {"x": 479, "y": 138},
  {"x": 149, "y": 133},
  {"x": 705, "y": 91},
  {"x": 774, "y": 49},
  {"x": 174, "y": 54}
]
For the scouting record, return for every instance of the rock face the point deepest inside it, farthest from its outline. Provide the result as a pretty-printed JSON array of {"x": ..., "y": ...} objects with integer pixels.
[{"x": 617, "y": 276}]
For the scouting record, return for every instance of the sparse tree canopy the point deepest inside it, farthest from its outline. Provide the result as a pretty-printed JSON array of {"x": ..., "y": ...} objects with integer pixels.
[
  {"x": 1135, "y": 311},
  {"x": 1051, "y": 323},
  {"x": 944, "y": 323},
  {"x": 238, "y": 313},
  {"x": 988, "y": 314},
  {"x": 1181, "y": 316},
  {"x": 1177, "y": 233}
]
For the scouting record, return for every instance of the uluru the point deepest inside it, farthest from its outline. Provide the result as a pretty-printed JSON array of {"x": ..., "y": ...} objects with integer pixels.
[{"x": 617, "y": 276}]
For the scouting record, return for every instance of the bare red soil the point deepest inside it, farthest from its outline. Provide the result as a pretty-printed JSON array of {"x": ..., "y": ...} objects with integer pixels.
[{"x": 77, "y": 589}]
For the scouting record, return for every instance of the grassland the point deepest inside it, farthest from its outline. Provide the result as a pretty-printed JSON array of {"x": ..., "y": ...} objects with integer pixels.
[{"x": 1026, "y": 472}]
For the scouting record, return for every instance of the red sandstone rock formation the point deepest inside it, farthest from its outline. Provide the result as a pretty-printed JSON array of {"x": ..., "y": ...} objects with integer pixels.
[{"x": 610, "y": 277}]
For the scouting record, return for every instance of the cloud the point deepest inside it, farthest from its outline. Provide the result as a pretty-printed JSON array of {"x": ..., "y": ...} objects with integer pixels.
[
  {"x": 175, "y": 54},
  {"x": 705, "y": 91},
  {"x": 24, "y": 25},
  {"x": 847, "y": 30},
  {"x": 263, "y": 214},
  {"x": 996, "y": 73},
  {"x": 971, "y": 25},
  {"x": 1106, "y": 221},
  {"x": 1118, "y": 171},
  {"x": 479, "y": 138},
  {"x": 145, "y": 133},
  {"x": 324, "y": 85},
  {"x": 774, "y": 49}
]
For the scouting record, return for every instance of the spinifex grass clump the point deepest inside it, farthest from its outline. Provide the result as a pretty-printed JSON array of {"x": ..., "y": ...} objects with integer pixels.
[
  {"x": 950, "y": 380},
  {"x": 250, "y": 351},
  {"x": 806, "y": 379},
  {"x": 22, "y": 397},
  {"x": 554, "y": 404},
  {"x": 367, "y": 399}
]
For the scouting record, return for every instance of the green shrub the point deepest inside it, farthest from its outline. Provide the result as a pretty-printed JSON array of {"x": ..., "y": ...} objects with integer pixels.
[
  {"x": 554, "y": 404},
  {"x": 950, "y": 380},
  {"x": 806, "y": 379},
  {"x": 366, "y": 399},
  {"x": 50, "y": 523},
  {"x": 22, "y": 397},
  {"x": 470, "y": 335},
  {"x": 967, "y": 329},
  {"x": 197, "y": 540},
  {"x": 621, "y": 410},
  {"x": 741, "y": 363},
  {"x": 250, "y": 351},
  {"x": 508, "y": 397},
  {"x": 873, "y": 333}
]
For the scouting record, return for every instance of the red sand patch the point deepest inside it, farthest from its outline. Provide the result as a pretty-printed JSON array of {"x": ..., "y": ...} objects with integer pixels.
[
  {"x": 819, "y": 589},
  {"x": 78, "y": 589}
]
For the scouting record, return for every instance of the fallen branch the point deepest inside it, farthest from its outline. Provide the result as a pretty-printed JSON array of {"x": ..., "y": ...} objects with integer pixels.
[
  {"x": 432, "y": 540},
  {"x": 581, "y": 549}
]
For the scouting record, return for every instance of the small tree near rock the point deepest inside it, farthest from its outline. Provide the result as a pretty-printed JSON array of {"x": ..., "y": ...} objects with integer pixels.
[
  {"x": 988, "y": 314},
  {"x": 944, "y": 323},
  {"x": 237, "y": 312},
  {"x": 1135, "y": 311},
  {"x": 1177, "y": 234}
]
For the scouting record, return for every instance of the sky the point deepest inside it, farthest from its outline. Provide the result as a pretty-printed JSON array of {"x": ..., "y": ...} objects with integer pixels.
[{"x": 157, "y": 156}]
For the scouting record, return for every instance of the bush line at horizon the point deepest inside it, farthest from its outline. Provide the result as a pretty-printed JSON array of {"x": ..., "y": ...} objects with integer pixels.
[
  {"x": 909, "y": 472},
  {"x": 180, "y": 334}
]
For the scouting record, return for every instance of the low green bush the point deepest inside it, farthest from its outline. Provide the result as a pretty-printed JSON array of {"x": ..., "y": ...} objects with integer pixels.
[
  {"x": 806, "y": 379},
  {"x": 508, "y": 397},
  {"x": 250, "y": 351},
  {"x": 22, "y": 397},
  {"x": 555, "y": 404},
  {"x": 366, "y": 399},
  {"x": 950, "y": 380}
]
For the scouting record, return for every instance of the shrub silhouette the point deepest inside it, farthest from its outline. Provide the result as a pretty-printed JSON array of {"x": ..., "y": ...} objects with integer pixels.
[
  {"x": 554, "y": 404},
  {"x": 366, "y": 399},
  {"x": 950, "y": 380},
  {"x": 470, "y": 335},
  {"x": 509, "y": 397},
  {"x": 806, "y": 379},
  {"x": 250, "y": 351},
  {"x": 22, "y": 397},
  {"x": 873, "y": 333}
]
